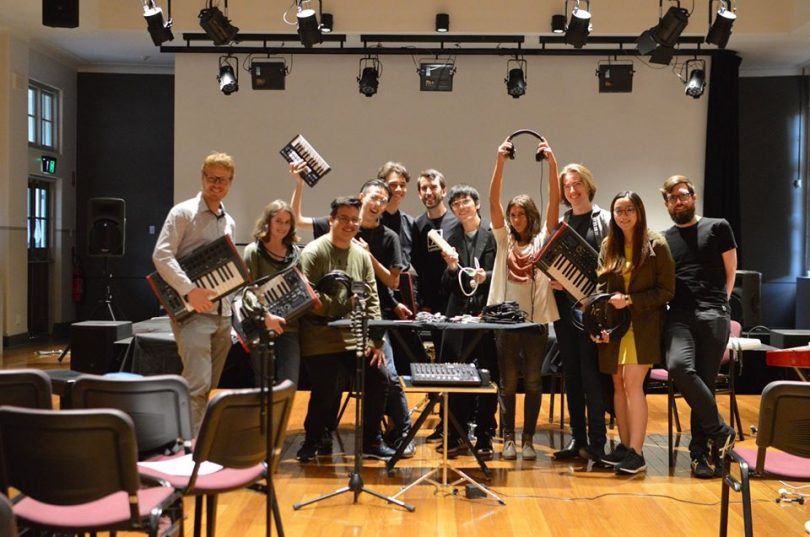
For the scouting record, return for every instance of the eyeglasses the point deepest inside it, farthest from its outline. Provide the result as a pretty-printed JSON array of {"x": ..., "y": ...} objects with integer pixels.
[
  {"x": 673, "y": 198},
  {"x": 630, "y": 211},
  {"x": 464, "y": 202},
  {"x": 382, "y": 200},
  {"x": 215, "y": 180},
  {"x": 353, "y": 220}
]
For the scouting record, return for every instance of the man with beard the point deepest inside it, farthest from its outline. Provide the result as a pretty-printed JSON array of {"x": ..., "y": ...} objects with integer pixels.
[{"x": 698, "y": 321}]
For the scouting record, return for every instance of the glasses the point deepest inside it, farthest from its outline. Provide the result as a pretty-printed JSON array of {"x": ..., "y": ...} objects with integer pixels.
[
  {"x": 215, "y": 180},
  {"x": 382, "y": 200},
  {"x": 353, "y": 220},
  {"x": 465, "y": 202},
  {"x": 674, "y": 198},
  {"x": 630, "y": 211}
]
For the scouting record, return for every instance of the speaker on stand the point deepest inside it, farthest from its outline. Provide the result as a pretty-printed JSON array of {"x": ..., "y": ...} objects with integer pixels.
[
  {"x": 746, "y": 298},
  {"x": 106, "y": 238}
]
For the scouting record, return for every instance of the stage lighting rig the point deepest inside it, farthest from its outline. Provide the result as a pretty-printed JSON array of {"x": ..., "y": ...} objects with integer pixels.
[
  {"x": 516, "y": 77},
  {"x": 160, "y": 30},
  {"x": 309, "y": 32},
  {"x": 660, "y": 40},
  {"x": 369, "y": 72},
  {"x": 228, "y": 74},
  {"x": 579, "y": 26},
  {"x": 217, "y": 25},
  {"x": 693, "y": 75},
  {"x": 720, "y": 29}
]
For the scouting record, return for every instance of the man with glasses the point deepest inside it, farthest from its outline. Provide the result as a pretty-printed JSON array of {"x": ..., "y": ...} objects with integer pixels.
[
  {"x": 698, "y": 321},
  {"x": 203, "y": 340},
  {"x": 328, "y": 354}
]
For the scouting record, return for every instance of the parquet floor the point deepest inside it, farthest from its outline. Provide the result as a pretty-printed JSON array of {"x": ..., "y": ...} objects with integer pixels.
[{"x": 543, "y": 498}]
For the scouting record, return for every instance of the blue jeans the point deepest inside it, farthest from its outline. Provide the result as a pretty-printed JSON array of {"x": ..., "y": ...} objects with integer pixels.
[
  {"x": 396, "y": 405},
  {"x": 287, "y": 354},
  {"x": 521, "y": 351}
]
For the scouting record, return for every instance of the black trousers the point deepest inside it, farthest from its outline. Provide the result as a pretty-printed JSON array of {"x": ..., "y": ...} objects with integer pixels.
[{"x": 328, "y": 375}]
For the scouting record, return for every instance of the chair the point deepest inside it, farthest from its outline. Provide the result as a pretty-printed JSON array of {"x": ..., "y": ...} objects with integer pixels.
[
  {"x": 28, "y": 388},
  {"x": 231, "y": 436},
  {"x": 552, "y": 367},
  {"x": 76, "y": 472},
  {"x": 660, "y": 378},
  {"x": 784, "y": 424},
  {"x": 8, "y": 526},
  {"x": 158, "y": 406}
]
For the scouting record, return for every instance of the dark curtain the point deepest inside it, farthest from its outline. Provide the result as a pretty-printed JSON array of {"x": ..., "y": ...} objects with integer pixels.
[{"x": 721, "y": 197}]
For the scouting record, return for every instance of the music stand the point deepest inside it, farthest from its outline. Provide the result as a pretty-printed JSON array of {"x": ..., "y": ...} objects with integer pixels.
[{"x": 359, "y": 293}]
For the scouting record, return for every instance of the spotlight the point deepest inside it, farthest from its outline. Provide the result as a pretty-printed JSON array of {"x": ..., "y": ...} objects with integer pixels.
[
  {"x": 436, "y": 76},
  {"x": 217, "y": 26},
  {"x": 327, "y": 23},
  {"x": 664, "y": 35},
  {"x": 579, "y": 26},
  {"x": 159, "y": 30},
  {"x": 442, "y": 22},
  {"x": 228, "y": 74},
  {"x": 615, "y": 77},
  {"x": 515, "y": 77},
  {"x": 368, "y": 79},
  {"x": 720, "y": 30},
  {"x": 558, "y": 24},
  {"x": 695, "y": 79},
  {"x": 308, "y": 30},
  {"x": 268, "y": 75}
]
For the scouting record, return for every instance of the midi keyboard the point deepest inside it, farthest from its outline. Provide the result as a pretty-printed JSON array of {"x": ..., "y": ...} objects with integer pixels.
[{"x": 444, "y": 374}]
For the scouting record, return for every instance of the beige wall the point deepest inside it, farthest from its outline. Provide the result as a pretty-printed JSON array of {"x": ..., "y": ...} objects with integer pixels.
[{"x": 630, "y": 141}]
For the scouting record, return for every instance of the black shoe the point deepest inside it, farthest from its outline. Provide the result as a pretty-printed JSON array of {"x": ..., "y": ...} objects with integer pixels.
[
  {"x": 483, "y": 447},
  {"x": 378, "y": 451},
  {"x": 593, "y": 453},
  {"x": 325, "y": 447},
  {"x": 454, "y": 448},
  {"x": 633, "y": 463},
  {"x": 701, "y": 468},
  {"x": 435, "y": 437},
  {"x": 571, "y": 451},
  {"x": 615, "y": 457},
  {"x": 409, "y": 451},
  {"x": 307, "y": 452},
  {"x": 718, "y": 462},
  {"x": 724, "y": 441}
]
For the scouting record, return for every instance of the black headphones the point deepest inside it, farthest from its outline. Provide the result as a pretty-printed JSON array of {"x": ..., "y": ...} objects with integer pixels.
[
  {"x": 594, "y": 314},
  {"x": 539, "y": 156}
]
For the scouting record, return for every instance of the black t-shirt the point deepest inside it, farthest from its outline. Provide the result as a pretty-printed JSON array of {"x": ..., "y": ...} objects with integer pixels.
[
  {"x": 582, "y": 224},
  {"x": 700, "y": 275},
  {"x": 402, "y": 224},
  {"x": 428, "y": 260}
]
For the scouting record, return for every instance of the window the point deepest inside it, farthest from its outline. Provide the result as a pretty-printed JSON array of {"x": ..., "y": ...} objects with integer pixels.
[
  {"x": 39, "y": 224},
  {"x": 43, "y": 113}
]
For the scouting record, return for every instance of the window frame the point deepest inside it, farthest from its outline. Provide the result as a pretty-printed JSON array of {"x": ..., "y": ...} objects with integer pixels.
[{"x": 43, "y": 119}]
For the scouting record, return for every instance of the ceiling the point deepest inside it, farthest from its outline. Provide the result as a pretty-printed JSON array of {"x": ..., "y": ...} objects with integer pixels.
[{"x": 772, "y": 37}]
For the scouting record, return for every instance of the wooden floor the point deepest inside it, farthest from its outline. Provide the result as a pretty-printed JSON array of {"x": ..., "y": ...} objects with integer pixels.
[{"x": 542, "y": 497}]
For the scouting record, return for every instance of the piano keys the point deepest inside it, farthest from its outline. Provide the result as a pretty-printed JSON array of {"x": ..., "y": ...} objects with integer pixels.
[
  {"x": 300, "y": 150},
  {"x": 571, "y": 261},
  {"x": 216, "y": 266}
]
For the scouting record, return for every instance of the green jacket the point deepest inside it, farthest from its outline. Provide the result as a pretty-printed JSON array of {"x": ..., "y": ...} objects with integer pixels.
[{"x": 652, "y": 285}]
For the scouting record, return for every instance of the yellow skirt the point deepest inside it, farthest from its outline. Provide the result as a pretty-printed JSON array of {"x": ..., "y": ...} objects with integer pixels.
[{"x": 627, "y": 348}]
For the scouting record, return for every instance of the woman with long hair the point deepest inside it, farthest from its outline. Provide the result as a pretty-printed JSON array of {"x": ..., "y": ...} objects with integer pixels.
[
  {"x": 274, "y": 250},
  {"x": 637, "y": 270},
  {"x": 515, "y": 278}
]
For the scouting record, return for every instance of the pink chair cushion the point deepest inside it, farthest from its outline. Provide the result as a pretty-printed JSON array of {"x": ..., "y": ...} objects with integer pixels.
[
  {"x": 110, "y": 511},
  {"x": 221, "y": 481},
  {"x": 659, "y": 375},
  {"x": 777, "y": 462}
]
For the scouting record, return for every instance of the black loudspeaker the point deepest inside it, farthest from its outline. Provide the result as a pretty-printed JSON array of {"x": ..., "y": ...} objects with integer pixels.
[
  {"x": 745, "y": 298},
  {"x": 787, "y": 339},
  {"x": 92, "y": 345},
  {"x": 60, "y": 13},
  {"x": 107, "y": 222}
]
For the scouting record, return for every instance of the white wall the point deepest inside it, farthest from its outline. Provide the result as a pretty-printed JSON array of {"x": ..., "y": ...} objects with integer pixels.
[{"x": 630, "y": 141}]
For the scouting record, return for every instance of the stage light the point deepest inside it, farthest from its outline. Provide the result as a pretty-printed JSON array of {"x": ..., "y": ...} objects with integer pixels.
[
  {"x": 159, "y": 30},
  {"x": 695, "y": 78},
  {"x": 442, "y": 22},
  {"x": 436, "y": 75},
  {"x": 217, "y": 26},
  {"x": 615, "y": 77},
  {"x": 579, "y": 26},
  {"x": 308, "y": 30},
  {"x": 368, "y": 79},
  {"x": 660, "y": 40},
  {"x": 228, "y": 74},
  {"x": 720, "y": 30},
  {"x": 268, "y": 74},
  {"x": 558, "y": 24},
  {"x": 327, "y": 23},
  {"x": 515, "y": 77}
]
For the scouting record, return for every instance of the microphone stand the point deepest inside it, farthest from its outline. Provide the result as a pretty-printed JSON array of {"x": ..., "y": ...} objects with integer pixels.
[
  {"x": 264, "y": 351},
  {"x": 359, "y": 292}
]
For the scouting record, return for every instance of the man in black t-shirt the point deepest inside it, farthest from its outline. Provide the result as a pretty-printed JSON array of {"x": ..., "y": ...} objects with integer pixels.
[{"x": 698, "y": 321}]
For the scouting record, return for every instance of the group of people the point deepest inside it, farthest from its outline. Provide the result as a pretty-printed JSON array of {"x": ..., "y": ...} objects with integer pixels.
[{"x": 675, "y": 286}]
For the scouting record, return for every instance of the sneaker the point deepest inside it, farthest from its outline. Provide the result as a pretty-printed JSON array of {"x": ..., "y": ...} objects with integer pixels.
[
  {"x": 718, "y": 462},
  {"x": 509, "y": 452},
  {"x": 724, "y": 441},
  {"x": 633, "y": 463},
  {"x": 435, "y": 437},
  {"x": 483, "y": 447},
  {"x": 528, "y": 453},
  {"x": 307, "y": 452},
  {"x": 410, "y": 449},
  {"x": 615, "y": 457},
  {"x": 454, "y": 448},
  {"x": 701, "y": 468},
  {"x": 325, "y": 447},
  {"x": 378, "y": 451}
]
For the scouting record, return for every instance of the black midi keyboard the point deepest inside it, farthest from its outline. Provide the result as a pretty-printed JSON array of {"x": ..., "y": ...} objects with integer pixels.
[{"x": 444, "y": 374}]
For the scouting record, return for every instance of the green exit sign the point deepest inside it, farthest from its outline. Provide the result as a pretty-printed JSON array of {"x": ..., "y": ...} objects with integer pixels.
[{"x": 48, "y": 164}]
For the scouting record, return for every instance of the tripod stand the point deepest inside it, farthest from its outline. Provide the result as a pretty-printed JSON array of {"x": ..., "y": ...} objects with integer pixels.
[{"x": 359, "y": 291}]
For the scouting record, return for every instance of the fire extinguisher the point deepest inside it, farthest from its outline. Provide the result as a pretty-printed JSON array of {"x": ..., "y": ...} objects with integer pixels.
[{"x": 78, "y": 279}]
